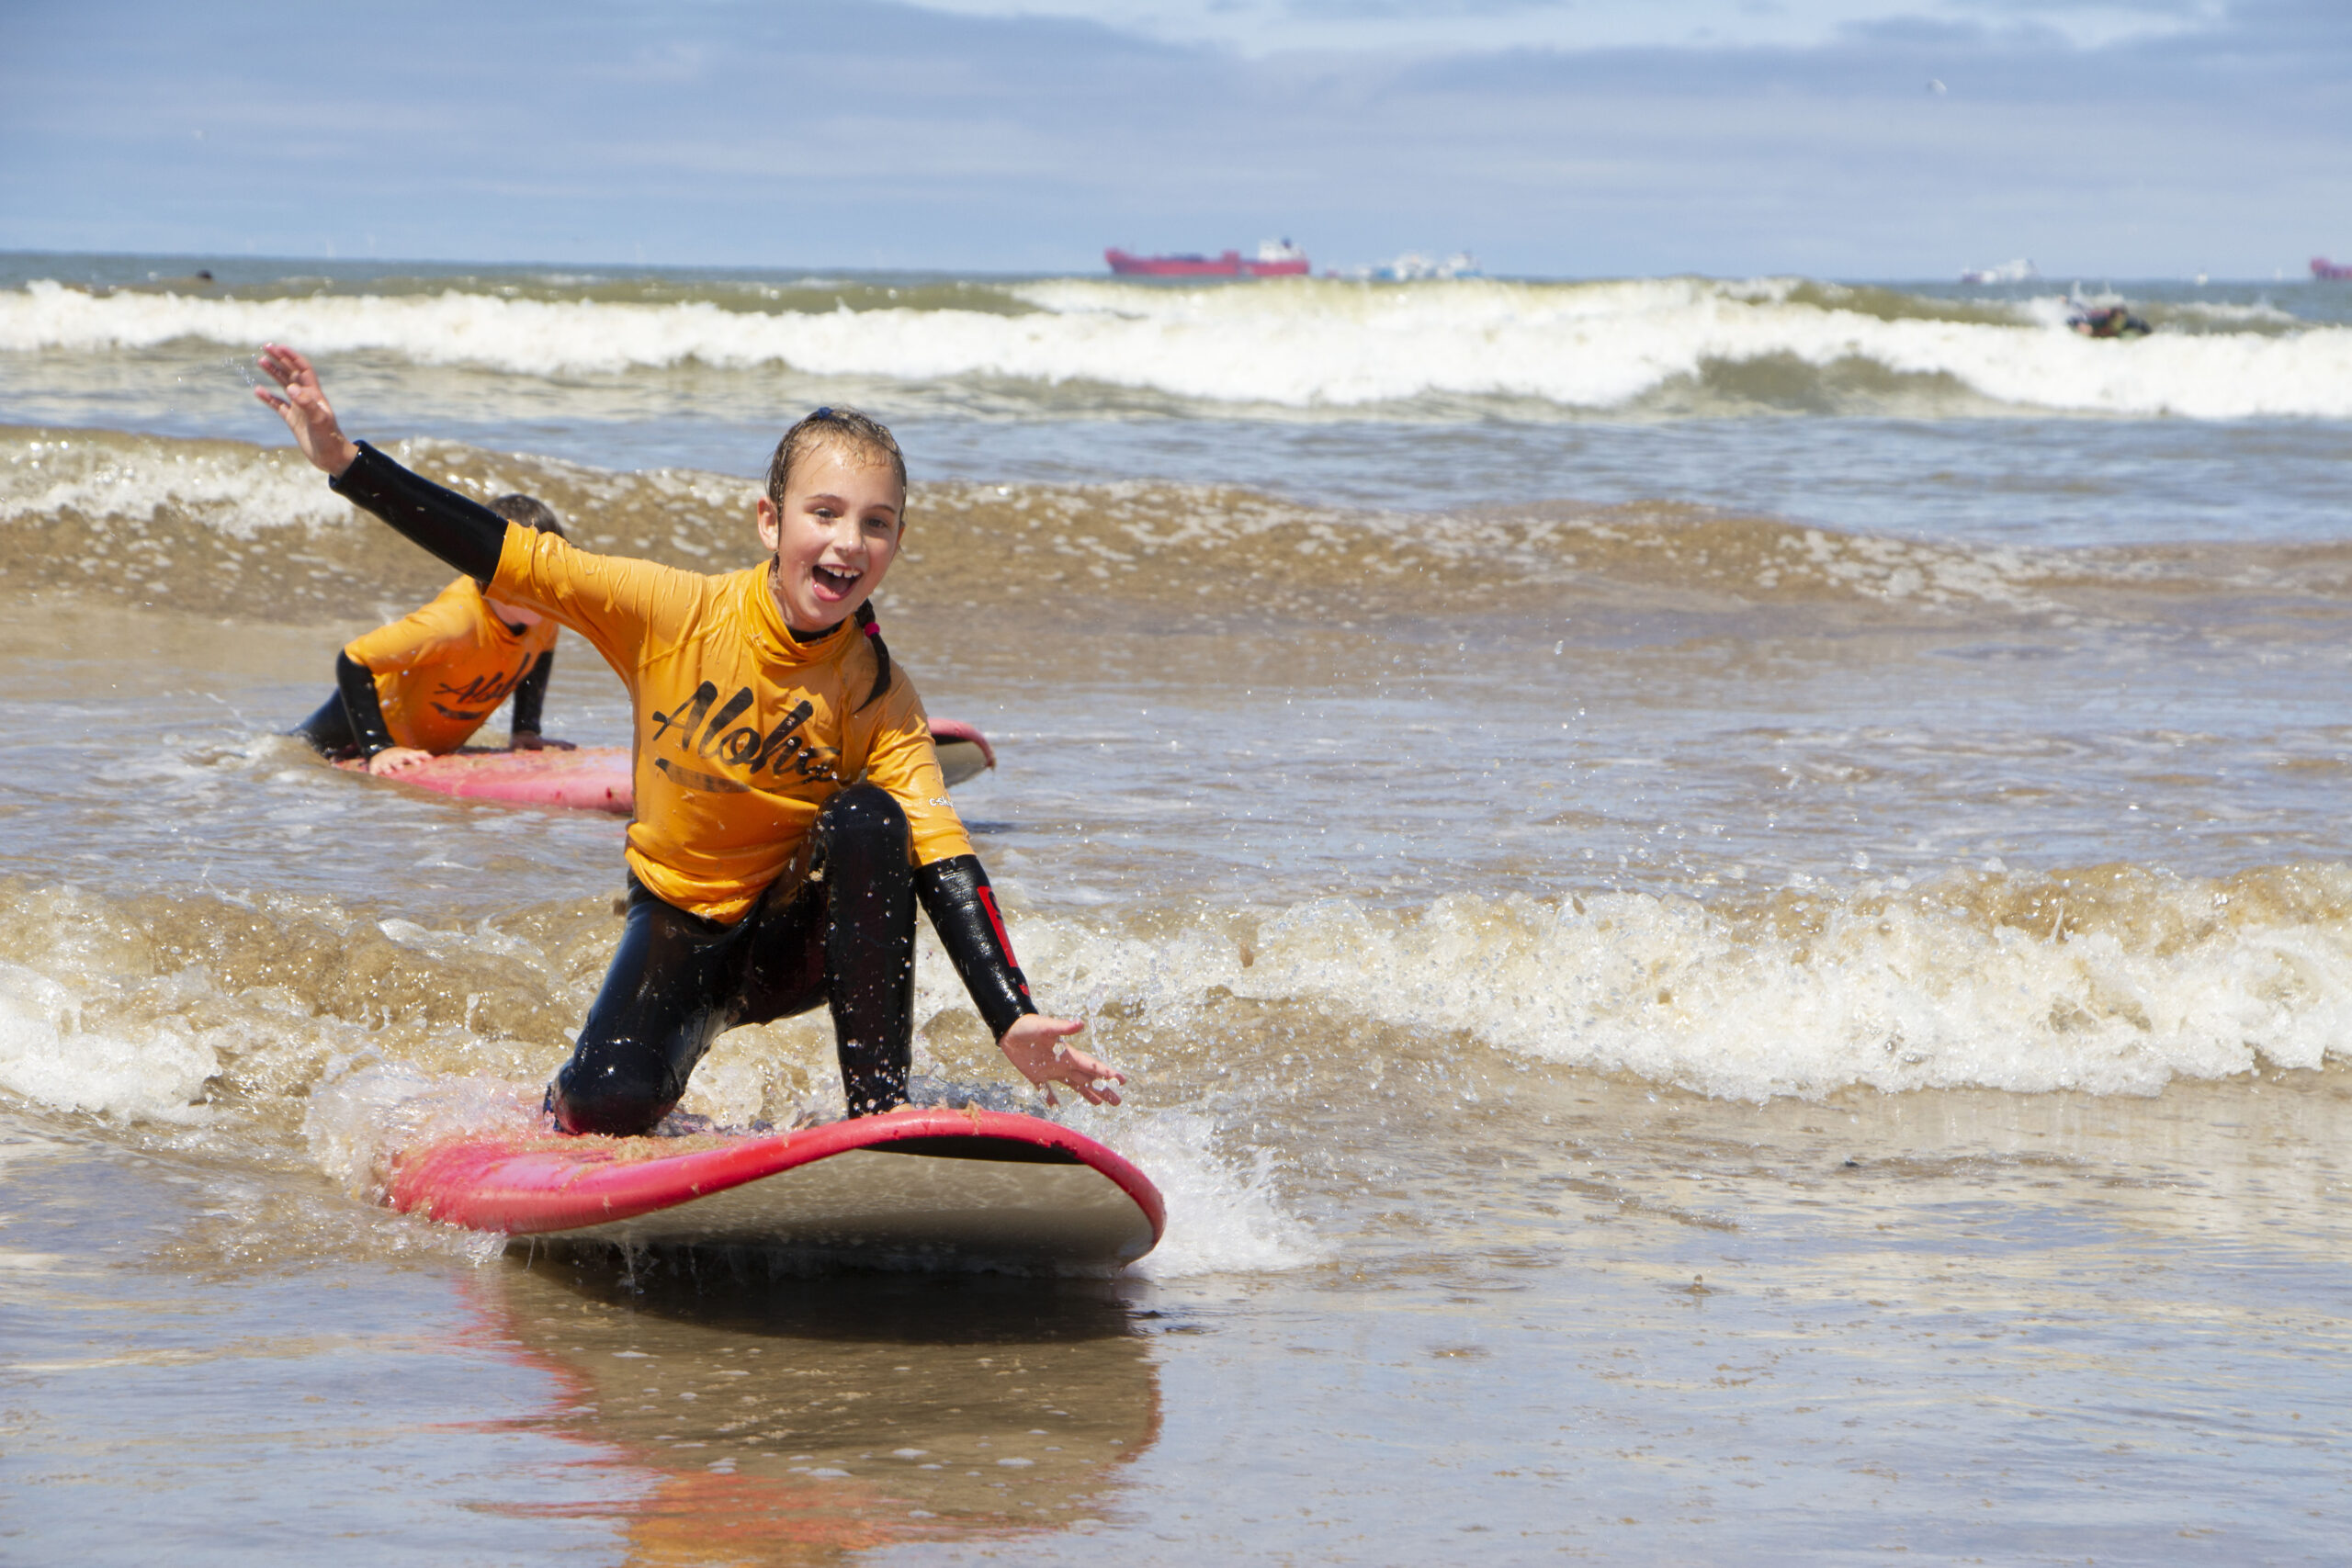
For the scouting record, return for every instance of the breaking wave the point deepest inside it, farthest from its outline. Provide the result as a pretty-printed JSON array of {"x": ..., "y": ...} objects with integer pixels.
[
  {"x": 301, "y": 1025},
  {"x": 304, "y": 1032},
  {"x": 2109, "y": 979},
  {"x": 1667, "y": 346},
  {"x": 217, "y": 527}
]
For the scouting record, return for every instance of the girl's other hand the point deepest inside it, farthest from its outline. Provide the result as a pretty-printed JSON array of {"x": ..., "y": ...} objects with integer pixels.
[
  {"x": 305, "y": 410},
  {"x": 526, "y": 740},
  {"x": 1035, "y": 1045},
  {"x": 396, "y": 760}
]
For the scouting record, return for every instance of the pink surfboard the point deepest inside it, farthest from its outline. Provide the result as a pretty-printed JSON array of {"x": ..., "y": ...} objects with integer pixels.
[
  {"x": 918, "y": 1186},
  {"x": 964, "y": 752},
  {"x": 596, "y": 778}
]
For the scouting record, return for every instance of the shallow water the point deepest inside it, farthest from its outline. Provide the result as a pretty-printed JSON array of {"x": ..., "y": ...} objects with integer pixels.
[{"x": 1748, "y": 966}]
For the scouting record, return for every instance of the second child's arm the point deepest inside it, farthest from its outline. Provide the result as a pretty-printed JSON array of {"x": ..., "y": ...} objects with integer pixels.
[
  {"x": 465, "y": 533},
  {"x": 530, "y": 697},
  {"x": 356, "y": 685}
]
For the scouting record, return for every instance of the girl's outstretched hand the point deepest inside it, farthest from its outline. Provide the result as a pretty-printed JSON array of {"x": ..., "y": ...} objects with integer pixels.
[
  {"x": 304, "y": 409},
  {"x": 1035, "y": 1045}
]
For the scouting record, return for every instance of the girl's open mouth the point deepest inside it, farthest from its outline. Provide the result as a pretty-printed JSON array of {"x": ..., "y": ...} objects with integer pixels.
[{"x": 833, "y": 582}]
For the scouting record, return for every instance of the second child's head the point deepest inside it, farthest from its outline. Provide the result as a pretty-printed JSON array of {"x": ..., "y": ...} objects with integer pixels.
[
  {"x": 832, "y": 515},
  {"x": 530, "y": 512}
]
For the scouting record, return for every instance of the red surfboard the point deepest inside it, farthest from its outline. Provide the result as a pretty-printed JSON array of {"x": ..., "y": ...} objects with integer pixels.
[
  {"x": 596, "y": 778},
  {"x": 922, "y": 1185}
]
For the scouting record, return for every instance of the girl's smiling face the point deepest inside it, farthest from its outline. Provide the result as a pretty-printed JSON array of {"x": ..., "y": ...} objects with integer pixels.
[{"x": 835, "y": 536}]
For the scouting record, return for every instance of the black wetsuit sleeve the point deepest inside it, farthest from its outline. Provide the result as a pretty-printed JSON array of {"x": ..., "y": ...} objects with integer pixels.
[
  {"x": 359, "y": 706},
  {"x": 530, "y": 694},
  {"x": 465, "y": 533},
  {"x": 962, "y": 906}
]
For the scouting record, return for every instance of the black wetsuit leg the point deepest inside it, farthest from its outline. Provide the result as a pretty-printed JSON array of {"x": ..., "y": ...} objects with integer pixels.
[
  {"x": 843, "y": 931},
  {"x": 861, "y": 849}
]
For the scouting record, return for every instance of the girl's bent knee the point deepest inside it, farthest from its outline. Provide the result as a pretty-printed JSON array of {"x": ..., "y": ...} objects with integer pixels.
[
  {"x": 606, "y": 1103},
  {"x": 867, "y": 813}
]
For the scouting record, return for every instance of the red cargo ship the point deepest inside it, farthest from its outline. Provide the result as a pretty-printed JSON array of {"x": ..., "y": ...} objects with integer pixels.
[
  {"x": 1275, "y": 258},
  {"x": 2322, "y": 267}
]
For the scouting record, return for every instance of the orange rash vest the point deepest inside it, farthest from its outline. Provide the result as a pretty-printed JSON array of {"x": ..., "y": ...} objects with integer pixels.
[
  {"x": 444, "y": 669},
  {"x": 741, "y": 733}
]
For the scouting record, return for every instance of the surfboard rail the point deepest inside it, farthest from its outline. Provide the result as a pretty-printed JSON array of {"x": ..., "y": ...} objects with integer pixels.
[
  {"x": 545, "y": 1183},
  {"x": 597, "y": 778},
  {"x": 947, "y": 733}
]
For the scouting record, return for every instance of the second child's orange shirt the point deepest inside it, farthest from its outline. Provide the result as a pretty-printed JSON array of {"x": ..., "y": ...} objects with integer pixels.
[
  {"x": 741, "y": 732},
  {"x": 444, "y": 669}
]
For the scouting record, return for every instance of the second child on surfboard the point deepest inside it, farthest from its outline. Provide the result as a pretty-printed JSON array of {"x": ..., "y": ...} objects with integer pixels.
[
  {"x": 420, "y": 687},
  {"x": 790, "y": 812}
]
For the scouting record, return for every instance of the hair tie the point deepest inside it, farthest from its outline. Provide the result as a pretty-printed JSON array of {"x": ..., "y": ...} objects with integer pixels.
[
  {"x": 873, "y": 629},
  {"x": 823, "y": 414}
]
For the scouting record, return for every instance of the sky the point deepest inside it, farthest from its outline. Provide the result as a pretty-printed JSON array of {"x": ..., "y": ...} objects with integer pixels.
[{"x": 1852, "y": 139}]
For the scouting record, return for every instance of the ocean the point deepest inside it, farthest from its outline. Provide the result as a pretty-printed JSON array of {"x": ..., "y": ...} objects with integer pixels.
[{"x": 1726, "y": 900}]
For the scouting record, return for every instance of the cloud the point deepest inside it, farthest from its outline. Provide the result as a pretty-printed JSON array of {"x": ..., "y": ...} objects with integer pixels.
[
  {"x": 734, "y": 133},
  {"x": 1266, "y": 27}
]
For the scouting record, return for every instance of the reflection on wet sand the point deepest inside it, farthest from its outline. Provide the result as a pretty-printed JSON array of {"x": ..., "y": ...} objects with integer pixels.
[{"x": 750, "y": 1418}]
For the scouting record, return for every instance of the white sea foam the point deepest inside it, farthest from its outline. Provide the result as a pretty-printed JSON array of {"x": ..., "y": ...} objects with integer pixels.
[
  {"x": 156, "y": 1075},
  {"x": 232, "y": 489},
  {"x": 1225, "y": 1215},
  {"x": 1302, "y": 345},
  {"x": 367, "y": 1108},
  {"x": 1225, "y": 1212},
  {"x": 1889, "y": 993}
]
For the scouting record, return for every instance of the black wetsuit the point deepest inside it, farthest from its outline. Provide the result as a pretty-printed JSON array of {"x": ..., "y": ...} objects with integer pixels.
[
  {"x": 837, "y": 928},
  {"x": 842, "y": 933}
]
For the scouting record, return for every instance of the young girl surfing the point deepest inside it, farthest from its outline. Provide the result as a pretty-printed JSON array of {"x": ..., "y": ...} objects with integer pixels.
[{"x": 790, "y": 812}]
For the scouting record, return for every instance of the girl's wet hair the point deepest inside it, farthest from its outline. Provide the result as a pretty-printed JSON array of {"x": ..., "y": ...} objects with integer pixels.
[
  {"x": 870, "y": 439},
  {"x": 861, "y": 434},
  {"x": 530, "y": 512}
]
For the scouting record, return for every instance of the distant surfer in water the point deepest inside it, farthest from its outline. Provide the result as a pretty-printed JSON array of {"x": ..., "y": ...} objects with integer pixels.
[
  {"x": 790, "y": 812},
  {"x": 420, "y": 687}
]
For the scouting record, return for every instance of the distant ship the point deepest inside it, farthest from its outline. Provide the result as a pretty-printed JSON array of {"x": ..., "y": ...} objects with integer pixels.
[
  {"x": 2322, "y": 267},
  {"x": 1413, "y": 267},
  {"x": 1275, "y": 258},
  {"x": 2019, "y": 271}
]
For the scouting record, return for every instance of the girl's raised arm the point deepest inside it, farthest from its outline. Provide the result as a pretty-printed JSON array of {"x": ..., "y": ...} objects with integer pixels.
[
  {"x": 305, "y": 410},
  {"x": 461, "y": 531}
]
